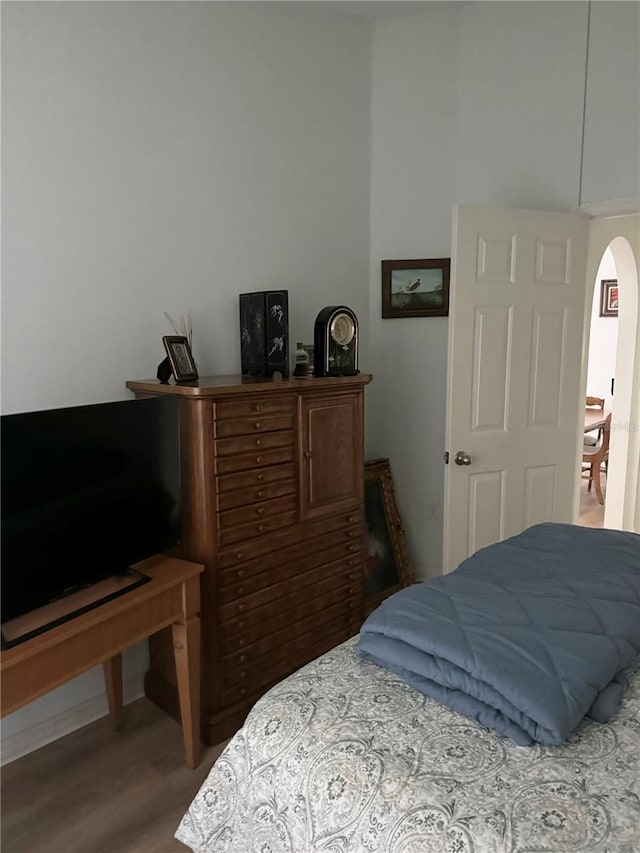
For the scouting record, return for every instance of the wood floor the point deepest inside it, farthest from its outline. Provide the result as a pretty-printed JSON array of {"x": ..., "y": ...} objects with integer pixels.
[
  {"x": 591, "y": 512},
  {"x": 99, "y": 791}
]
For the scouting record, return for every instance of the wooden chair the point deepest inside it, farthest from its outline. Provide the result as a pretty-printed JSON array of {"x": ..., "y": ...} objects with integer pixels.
[
  {"x": 593, "y": 458},
  {"x": 594, "y": 403}
]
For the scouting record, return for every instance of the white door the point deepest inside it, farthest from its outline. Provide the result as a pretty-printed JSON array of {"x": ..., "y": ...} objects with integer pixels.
[{"x": 515, "y": 351}]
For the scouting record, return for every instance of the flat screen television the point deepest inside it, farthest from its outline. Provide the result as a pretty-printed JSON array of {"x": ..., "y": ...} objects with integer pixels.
[{"x": 87, "y": 491}]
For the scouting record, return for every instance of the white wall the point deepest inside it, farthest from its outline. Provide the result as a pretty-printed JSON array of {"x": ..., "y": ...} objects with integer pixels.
[
  {"x": 603, "y": 339},
  {"x": 481, "y": 104},
  {"x": 612, "y": 117},
  {"x": 166, "y": 156},
  {"x": 413, "y": 156},
  {"x": 160, "y": 157}
]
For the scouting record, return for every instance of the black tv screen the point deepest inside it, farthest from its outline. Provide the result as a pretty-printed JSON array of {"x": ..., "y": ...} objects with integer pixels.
[{"x": 86, "y": 492}]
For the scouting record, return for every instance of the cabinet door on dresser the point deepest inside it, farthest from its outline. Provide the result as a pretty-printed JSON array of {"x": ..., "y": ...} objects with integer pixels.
[{"x": 332, "y": 452}]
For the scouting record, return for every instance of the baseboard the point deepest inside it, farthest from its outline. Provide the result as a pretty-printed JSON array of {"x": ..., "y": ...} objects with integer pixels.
[{"x": 33, "y": 737}]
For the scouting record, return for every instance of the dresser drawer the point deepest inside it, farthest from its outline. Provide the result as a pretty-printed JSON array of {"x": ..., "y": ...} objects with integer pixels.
[
  {"x": 253, "y": 666},
  {"x": 268, "y": 670},
  {"x": 261, "y": 492},
  {"x": 247, "y": 479},
  {"x": 258, "y": 528},
  {"x": 249, "y": 408},
  {"x": 254, "y": 459},
  {"x": 345, "y": 613},
  {"x": 353, "y": 563},
  {"x": 265, "y": 620},
  {"x": 302, "y": 533},
  {"x": 252, "y": 426},
  {"x": 254, "y": 444},
  {"x": 349, "y": 542},
  {"x": 289, "y": 593},
  {"x": 258, "y": 511}
]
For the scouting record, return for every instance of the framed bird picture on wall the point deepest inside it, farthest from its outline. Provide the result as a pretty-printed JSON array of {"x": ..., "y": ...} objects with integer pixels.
[{"x": 415, "y": 288}]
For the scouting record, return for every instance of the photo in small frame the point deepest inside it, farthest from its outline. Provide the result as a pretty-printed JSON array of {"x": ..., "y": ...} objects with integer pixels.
[
  {"x": 416, "y": 288},
  {"x": 387, "y": 564},
  {"x": 180, "y": 357},
  {"x": 609, "y": 297}
]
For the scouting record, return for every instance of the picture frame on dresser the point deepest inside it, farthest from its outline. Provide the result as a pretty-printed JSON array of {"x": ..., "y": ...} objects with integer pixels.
[
  {"x": 180, "y": 357},
  {"x": 387, "y": 567}
]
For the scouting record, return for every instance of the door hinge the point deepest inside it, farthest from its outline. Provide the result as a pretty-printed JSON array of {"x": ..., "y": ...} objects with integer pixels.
[{"x": 446, "y": 457}]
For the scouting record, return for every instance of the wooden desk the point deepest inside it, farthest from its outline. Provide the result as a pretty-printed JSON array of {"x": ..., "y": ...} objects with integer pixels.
[
  {"x": 172, "y": 597},
  {"x": 594, "y": 418}
]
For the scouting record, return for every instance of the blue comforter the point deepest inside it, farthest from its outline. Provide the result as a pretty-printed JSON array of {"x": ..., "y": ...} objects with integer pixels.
[{"x": 526, "y": 636}]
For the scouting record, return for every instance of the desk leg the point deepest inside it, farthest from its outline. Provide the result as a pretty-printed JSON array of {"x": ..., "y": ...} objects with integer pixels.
[
  {"x": 186, "y": 644},
  {"x": 113, "y": 681}
]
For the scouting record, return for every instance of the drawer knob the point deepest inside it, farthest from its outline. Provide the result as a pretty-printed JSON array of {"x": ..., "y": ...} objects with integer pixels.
[
  {"x": 260, "y": 477},
  {"x": 240, "y": 624},
  {"x": 241, "y": 608},
  {"x": 351, "y": 534},
  {"x": 240, "y": 573},
  {"x": 260, "y": 494},
  {"x": 308, "y": 454},
  {"x": 260, "y": 528},
  {"x": 350, "y": 591},
  {"x": 239, "y": 555},
  {"x": 242, "y": 640},
  {"x": 242, "y": 658},
  {"x": 353, "y": 547},
  {"x": 350, "y": 605},
  {"x": 258, "y": 442},
  {"x": 257, "y": 425},
  {"x": 243, "y": 674},
  {"x": 240, "y": 590},
  {"x": 350, "y": 576},
  {"x": 258, "y": 459},
  {"x": 257, "y": 407},
  {"x": 350, "y": 518},
  {"x": 243, "y": 691},
  {"x": 260, "y": 511}
]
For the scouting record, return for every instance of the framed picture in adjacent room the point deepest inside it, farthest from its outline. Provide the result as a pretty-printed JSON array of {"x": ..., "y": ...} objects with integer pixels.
[
  {"x": 609, "y": 297},
  {"x": 387, "y": 565},
  {"x": 415, "y": 288}
]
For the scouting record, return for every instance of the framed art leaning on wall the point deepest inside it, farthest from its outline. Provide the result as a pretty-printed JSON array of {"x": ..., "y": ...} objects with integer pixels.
[{"x": 387, "y": 565}]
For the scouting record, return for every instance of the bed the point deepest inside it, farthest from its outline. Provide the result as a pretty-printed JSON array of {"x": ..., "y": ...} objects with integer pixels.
[{"x": 345, "y": 756}]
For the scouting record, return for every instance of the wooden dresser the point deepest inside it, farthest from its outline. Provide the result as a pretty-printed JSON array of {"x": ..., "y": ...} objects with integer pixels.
[{"x": 272, "y": 489}]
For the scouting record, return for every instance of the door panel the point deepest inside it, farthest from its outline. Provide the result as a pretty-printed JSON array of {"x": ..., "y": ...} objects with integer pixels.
[
  {"x": 540, "y": 488},
  {"x": 514, "y": 398},
  {"x": 491, "y": 355},
  {"x": 546, "y": 367}
]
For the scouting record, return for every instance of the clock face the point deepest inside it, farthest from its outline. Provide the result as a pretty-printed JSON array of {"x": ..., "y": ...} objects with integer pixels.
[{"x": 342, "y": 329}]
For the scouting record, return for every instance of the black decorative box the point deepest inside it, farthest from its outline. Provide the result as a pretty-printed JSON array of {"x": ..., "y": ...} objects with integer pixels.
[{"x": 264, "y": 333}]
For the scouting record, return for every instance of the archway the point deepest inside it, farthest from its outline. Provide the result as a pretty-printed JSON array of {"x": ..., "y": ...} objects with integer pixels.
[{"x": 622, "y": 235}]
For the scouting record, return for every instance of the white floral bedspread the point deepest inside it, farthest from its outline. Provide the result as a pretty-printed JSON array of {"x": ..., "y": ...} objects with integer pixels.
[{"x": 344, "y": 757}]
